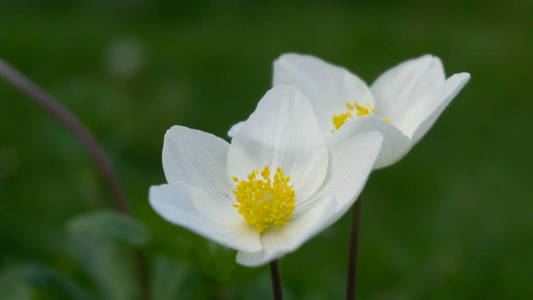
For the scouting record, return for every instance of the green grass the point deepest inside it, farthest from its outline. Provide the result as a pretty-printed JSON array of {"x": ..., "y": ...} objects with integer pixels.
[{"x": 450, "y": 221}]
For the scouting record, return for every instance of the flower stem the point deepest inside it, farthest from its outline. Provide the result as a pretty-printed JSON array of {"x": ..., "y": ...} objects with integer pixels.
[
  {"x": 352, "y": 251},
  {"x": 65, "y": 117},
  {"x": 276, "y": 280},
  {"x": 59, "y": 112}
]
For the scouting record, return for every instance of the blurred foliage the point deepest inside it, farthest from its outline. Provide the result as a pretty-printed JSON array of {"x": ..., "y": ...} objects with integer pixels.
[
  {"x": 450, "y": 221},
  {"x": 23, "y": 281},
  {"x": 110, "y": 226}
]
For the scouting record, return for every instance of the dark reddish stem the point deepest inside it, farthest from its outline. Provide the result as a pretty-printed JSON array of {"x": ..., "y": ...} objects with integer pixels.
[
  {"x": 52, "y": 106},
  {"x": 276, "y": 280},
  {"x": 351, "y": 278}
]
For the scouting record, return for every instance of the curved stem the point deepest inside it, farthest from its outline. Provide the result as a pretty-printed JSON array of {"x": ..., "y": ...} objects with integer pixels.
[
  {"x": 351, "y": 278},
  {"x": 49, "y": 104},
  {"x": 52, "y": 106},
  {"x": 276, "y": 280},
  {"x": 142, "y": 269}
]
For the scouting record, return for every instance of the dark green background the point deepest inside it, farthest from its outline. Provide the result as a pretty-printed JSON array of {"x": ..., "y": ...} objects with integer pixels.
[{"x": 452, "y": 220}]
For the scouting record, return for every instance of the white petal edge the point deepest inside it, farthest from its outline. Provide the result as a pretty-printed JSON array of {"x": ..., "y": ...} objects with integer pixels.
[
  {"x": 197, "y": 158},
  {"x": 191, "y": 207},
  {"x": 395, "y": 143},
  {"x": 397, "y": 88},
  {"x": 280, "y": 241},
  {"x": 328, "y": 86},
  {"x": 282, "y": 132},
  {"x": 234, "y": 129},
  {"x": 352, "y": 160},
  {"x": 422, "y": 115}
]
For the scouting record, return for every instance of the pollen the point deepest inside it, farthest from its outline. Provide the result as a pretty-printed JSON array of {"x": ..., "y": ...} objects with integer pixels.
[
  {"x": 364, "y": 110},
  {"x": 353, "y": 108},
  {"x": 264, "y": 200},
  {"x": 340, "y": 119}
]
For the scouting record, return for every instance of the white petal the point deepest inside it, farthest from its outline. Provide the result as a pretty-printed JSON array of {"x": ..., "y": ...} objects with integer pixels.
[
  {"x": 197, "y": 158},
  {"x": 396, "y": 89},
  {"x": 423, "y": 114},
  {"x": 395, "y": 143},
  {"x": 280, "y": 240},
  {"x": 234, "y": 129},
  {"x": 328, "y": 86},
  {"x": 352, "y": 160},
  {"x": 191, "y": 207},
  {"x": 282, "y": 132}
]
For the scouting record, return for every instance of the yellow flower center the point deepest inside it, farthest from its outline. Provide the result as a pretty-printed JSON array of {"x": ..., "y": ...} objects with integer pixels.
[
  {"x": 263, "y": 201},
  {"x": 359, "y": 110}
]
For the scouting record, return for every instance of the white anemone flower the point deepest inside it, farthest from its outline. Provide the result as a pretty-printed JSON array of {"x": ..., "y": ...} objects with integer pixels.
[
  {"x": 403, "y": 103},
  {"x": 274, "y": 187}
]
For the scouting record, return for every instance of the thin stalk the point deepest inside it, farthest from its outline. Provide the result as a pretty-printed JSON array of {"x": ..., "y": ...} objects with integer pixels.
[
  {"x": 142, "y": 270},
  {"x": 65, "y": 117},
  {"x": 276, "y": 280},
  {"x": 52, "y": 106},
  {"x": 351, "y": 278}
]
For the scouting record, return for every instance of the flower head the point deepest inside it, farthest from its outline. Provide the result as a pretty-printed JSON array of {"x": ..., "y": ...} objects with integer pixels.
[
  {"x": 274, "y": 187},
  {"x": 264, "y": 202},
  {"x": 403, "y": 103}
]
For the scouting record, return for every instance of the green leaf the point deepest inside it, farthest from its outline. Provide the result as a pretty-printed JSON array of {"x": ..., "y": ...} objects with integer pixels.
[
  {"x": 110, "y": 265},
  {"x": 102, "y": 244},
  {"x": 106, "y": 225},
  {"x": 13, "y": 289},
  {"x": 167, "y": 279},
  {"x": 16, "y": 282}
]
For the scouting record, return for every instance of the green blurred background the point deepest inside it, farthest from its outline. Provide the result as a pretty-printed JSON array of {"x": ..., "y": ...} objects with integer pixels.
[{"x": 452, "y": 220}]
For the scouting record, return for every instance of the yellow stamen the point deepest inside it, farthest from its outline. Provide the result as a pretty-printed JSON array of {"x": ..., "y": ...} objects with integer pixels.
[
  {"x": 341, "y": 119},
  {"x": 363, "y": 111},
  {"x": 262, "y": 201}
]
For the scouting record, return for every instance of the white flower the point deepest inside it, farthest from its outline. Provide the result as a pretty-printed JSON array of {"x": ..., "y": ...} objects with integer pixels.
[
  {"x": 274, "y": 187},
  {"x": 403, "y": 103}
]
